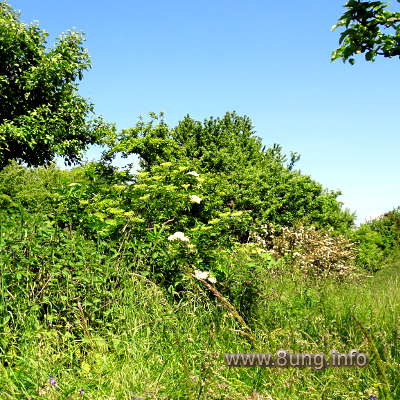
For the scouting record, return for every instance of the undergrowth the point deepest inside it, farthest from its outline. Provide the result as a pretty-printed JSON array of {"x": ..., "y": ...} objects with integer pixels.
[{"x": 89, "y": 317}]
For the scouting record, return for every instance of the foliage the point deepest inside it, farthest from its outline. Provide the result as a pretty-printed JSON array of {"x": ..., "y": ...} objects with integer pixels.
[
  {"x": 73, "y": 301},
  {"x": 220, "y": 145},
  {"x": 42, "y": 114},
  {"x": 378, "y": 240},
  {"x": 34, "y": 189},
  {"x": 241, "y": 273},
  {"x": 370, "y": 248},
  {"x": 388, "y": 225},
  {"x": 215, "y": 205},
  {"x": 242, "y": 172},
  {"x": 277, "y": 195},
  {"x": 78, "y": 312},
  {"x": 370, "y": 29},
  {"x": 213, "y": 211},
  {"x": 170, "y": 198},
  {"x": 48, "y": 272}
]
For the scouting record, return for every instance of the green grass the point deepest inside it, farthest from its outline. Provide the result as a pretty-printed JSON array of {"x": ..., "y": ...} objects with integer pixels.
[{"x": 80, "y": 312}]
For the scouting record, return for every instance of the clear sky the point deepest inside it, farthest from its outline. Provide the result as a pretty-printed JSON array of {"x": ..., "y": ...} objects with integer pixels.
[{"x": 268, "y": 60}]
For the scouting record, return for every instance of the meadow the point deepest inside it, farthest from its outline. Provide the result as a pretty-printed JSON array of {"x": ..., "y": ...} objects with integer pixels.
[{"x": 81, "y": 319}]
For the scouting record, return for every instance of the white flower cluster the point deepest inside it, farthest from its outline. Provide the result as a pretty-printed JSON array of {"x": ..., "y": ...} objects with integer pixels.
[
  {"x": 204, "y": 275},
  {"x": 314, "y": 251},
  {"x": 178, "y": 236},
  {"x": 195, "y": 199},
  {"x": 193, "y": 173}
]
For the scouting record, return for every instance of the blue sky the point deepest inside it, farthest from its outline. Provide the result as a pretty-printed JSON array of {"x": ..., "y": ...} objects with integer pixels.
[{"x": 268, "y": 60}]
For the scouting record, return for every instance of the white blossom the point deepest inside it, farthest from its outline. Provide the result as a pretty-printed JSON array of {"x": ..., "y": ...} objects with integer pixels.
[
  {"x": 195, "y": 199},
  {"x": 178, "y": 236},
  {"x": 200, "y": 274},
  {"x": 204, "y": 275},
  {"x": 193, "y": 173}
]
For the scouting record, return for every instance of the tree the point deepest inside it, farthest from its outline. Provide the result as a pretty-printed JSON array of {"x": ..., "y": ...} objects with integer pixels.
[
  {"x": 41, "y": 113},
  {"x": 220, "y": 144},
  {"x": 371, "y": 30},
  {"x": 240, "y": 172}
]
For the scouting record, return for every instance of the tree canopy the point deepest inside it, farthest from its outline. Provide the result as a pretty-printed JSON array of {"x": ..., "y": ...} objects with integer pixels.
[
  {"x": 41, "y": 113},
  {"x": 240, "y": 172},
  {"x": 370, "y": 29},
  {"x": 220, "y": 144}
]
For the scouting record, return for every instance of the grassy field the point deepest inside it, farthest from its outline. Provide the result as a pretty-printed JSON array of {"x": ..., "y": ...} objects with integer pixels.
[{"x": 81, "y": 314}]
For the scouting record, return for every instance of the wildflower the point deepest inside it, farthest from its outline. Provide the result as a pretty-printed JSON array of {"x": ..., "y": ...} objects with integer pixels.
[
  {"x": 195, "y": 199},
  {"x": 200, "y": 274},
  {"x": 81, "y": 391},
  {"x": 204, "y": 275},
  {"x": 193, "y": 173},
  {"x": 52, "y": 381},
  {"x": 372, "y": 398},
  {"x": 178, "y": 236}
]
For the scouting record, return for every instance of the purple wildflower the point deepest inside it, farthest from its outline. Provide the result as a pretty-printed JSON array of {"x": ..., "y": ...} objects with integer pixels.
[
  {"x": 372, "y": 397},
  {"x": 52, "y": 382},
  {"x": 81, "y": 391}
]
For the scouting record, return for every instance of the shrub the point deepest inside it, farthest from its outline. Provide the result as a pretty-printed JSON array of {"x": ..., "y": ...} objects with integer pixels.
[
  {"x": 378, "y": 240},
  {"x": 243, "y": 172},
  {"x": 241, "y": 274},
  {"x": 388, "y": 226},
  {"x": 34, "y": 189},
  {"x": 48, "y": 273},
  {"x": 316, "y": 252},
  {"x": 150, "y": 212}
]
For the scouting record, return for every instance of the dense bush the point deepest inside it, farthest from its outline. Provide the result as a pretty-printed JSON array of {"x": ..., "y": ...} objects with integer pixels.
[
  {"x": 316, "y": 252},
  {"x": 242, "y": 273},
  {"x": 242, "y": 172},
  {"x": 172, "y": 211},
  {"x": 212, "y": 210},
  {"x": 51, "y": 276},
  {"x": 34, "y": 189},
  {"x": 378, "y": 240},
  {"x": 388, "y": 226}
]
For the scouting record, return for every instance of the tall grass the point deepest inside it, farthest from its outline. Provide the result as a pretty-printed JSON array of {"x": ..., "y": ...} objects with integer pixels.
[{"x": 88, "y": 317}]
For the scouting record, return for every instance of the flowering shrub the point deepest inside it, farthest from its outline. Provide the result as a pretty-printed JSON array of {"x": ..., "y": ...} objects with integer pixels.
[
  {"x": 313, "y": 251},
  {"x": 240, "y": 171},
  {"x": 174, "y": 215}
]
